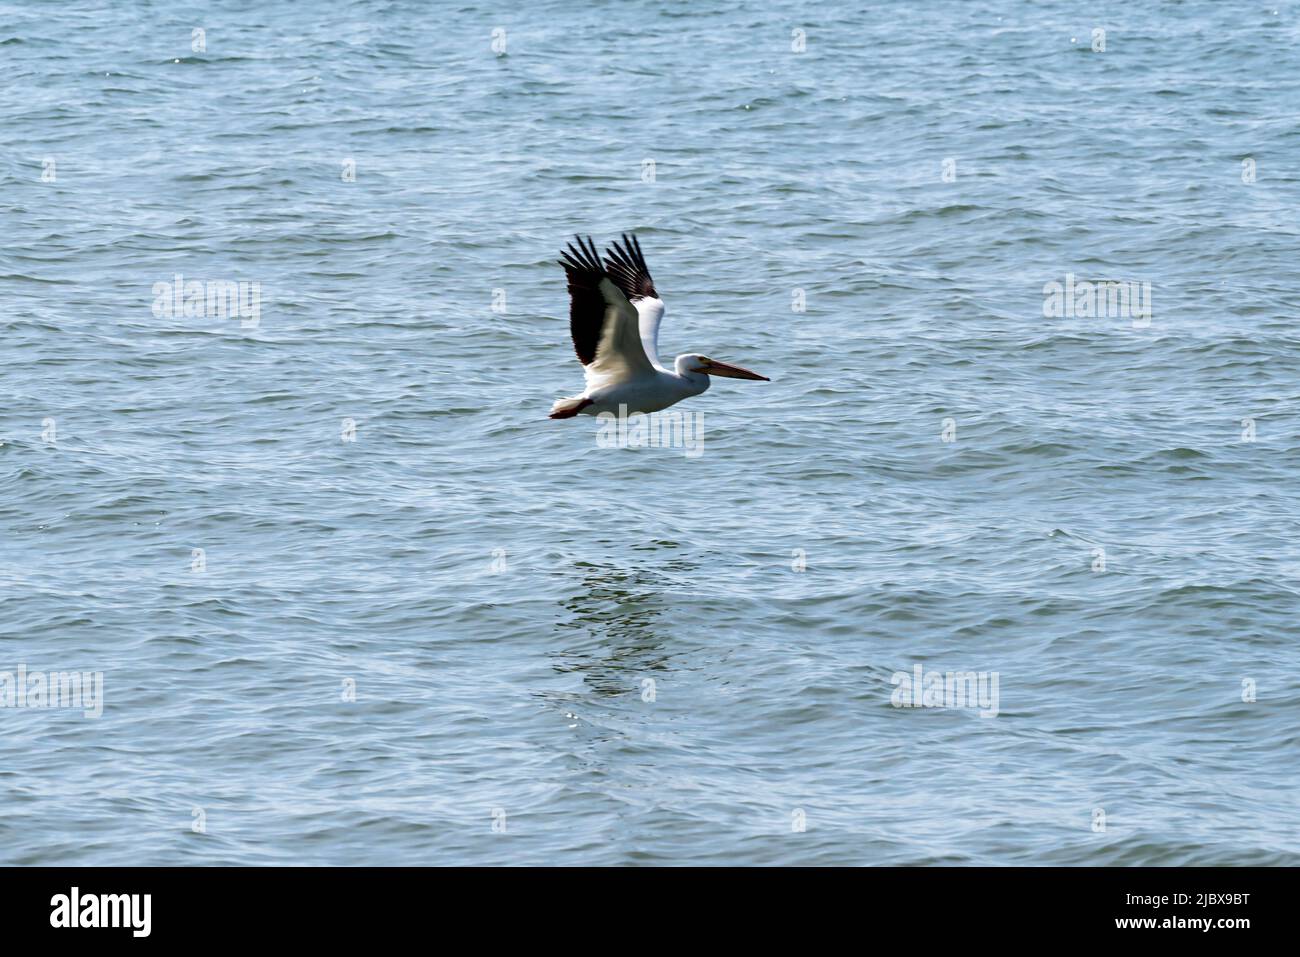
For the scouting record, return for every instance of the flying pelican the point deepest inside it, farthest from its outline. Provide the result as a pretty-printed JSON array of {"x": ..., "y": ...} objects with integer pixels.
[{"x": 614, "y": 315}]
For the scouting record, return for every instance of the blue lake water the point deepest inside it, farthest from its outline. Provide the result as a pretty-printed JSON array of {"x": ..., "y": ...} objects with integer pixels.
[{"x": 354, "y": 599}]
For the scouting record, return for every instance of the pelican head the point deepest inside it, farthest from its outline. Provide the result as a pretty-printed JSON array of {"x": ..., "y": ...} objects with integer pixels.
[{"x": 697, "y": 363}]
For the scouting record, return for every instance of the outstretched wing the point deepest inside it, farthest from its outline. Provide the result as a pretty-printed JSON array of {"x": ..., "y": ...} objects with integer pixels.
[
  {"x": 626, "y": 266},
  {"x": 604, "y": 325}
]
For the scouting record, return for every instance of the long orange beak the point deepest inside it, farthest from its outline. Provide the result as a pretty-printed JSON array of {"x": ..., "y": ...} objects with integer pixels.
[{"x": 733, "y": 372}]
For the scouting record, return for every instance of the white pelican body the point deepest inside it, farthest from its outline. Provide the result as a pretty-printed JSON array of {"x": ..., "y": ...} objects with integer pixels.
[{"x": 614, "y": 315}]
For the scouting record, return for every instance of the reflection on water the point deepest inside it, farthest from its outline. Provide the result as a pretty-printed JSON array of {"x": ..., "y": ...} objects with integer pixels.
[{"x": 614, "y": 629}]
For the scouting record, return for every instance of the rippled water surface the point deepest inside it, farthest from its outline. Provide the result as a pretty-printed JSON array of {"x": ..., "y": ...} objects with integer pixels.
[{"x": 562, "y": 653}]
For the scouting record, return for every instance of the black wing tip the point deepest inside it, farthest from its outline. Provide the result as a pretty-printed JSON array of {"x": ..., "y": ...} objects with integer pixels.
[
  {"x": 587, "y": 302},
  {"x": 586, "y": 252},
  {"x": 584, "y": 258},
  {"x": 626, "y": 265}
]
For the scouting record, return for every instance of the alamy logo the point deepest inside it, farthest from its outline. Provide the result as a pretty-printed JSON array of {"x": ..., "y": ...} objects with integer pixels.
[
  {"x": 56, "y": 689},
  {"x": 210, "y": 299},
  {"x": 1102, "y": 299},
  {"x": 102, "y": 910},
  {"x": 951, "y": 689},
  {"x": 658, "y": 430}
]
